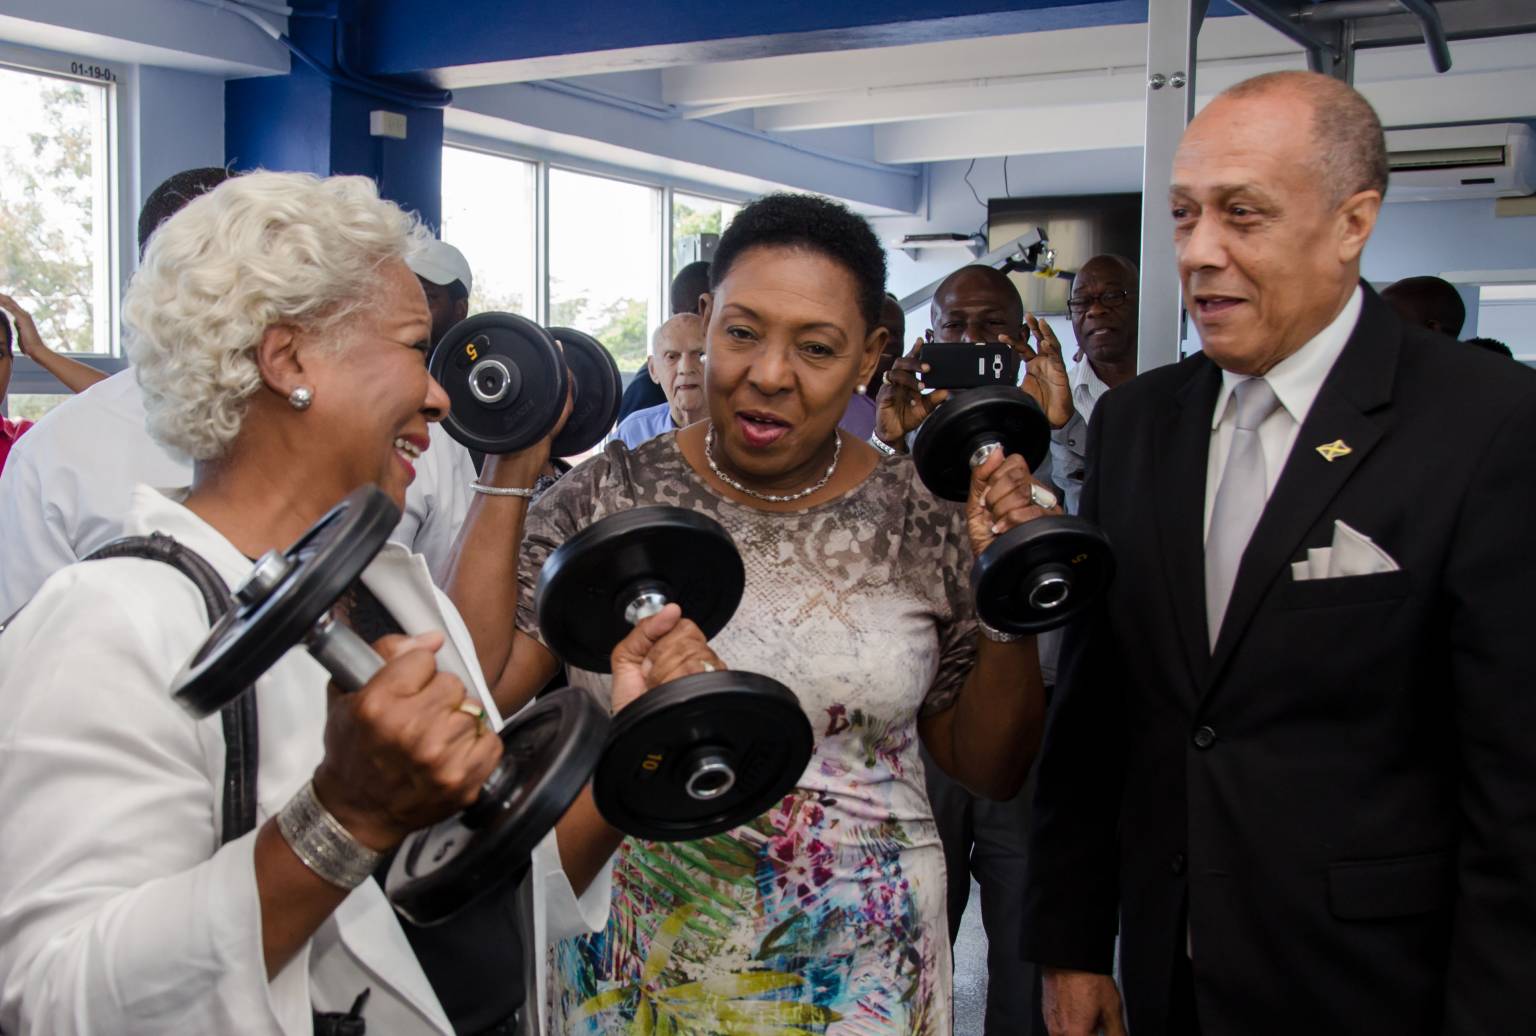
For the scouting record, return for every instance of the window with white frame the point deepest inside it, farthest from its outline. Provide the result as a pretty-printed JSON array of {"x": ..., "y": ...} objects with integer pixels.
[
  {"x": 1507, "y": 313},
  {"x": 490, "y": 213},
  {"x": 605, "y": 261},
  {"x": 56, "y": 174},
  {"x": 695, "y": 220}
]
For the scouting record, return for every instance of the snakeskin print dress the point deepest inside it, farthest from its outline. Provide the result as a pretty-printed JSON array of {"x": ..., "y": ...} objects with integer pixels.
[{"x": 825, "y": 915}]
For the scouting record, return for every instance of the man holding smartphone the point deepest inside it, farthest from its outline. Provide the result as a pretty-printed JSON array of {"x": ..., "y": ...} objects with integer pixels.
[
  {"x": 979, "y": 305},
  {"x": 984, "y": 839}
]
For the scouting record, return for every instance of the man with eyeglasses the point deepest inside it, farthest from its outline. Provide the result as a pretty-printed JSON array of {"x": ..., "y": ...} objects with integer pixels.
[{"x": 1104, "y": 317}]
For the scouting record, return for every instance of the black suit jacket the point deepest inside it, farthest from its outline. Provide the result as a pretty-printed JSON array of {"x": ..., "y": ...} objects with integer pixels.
[{"x": 1343, "y": 793}]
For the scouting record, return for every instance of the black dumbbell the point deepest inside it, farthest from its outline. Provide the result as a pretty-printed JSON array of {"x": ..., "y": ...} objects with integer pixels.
[
  {"x": 506, "y": 381},
  {"x": 1038, "y": 575},
  {"x": 289, "y": 600},
  {"x": 700, "y": 754}
]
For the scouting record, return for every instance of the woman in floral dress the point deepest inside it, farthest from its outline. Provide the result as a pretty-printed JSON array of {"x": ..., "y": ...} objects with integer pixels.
[{"x": 826, "y": 914}]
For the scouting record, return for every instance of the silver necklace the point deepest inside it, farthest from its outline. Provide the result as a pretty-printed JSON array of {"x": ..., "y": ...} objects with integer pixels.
[{"x": 772, "y": 498}]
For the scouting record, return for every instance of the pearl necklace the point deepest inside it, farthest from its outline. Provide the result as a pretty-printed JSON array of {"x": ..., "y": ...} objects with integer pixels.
[{"x": 709, "y": 455}]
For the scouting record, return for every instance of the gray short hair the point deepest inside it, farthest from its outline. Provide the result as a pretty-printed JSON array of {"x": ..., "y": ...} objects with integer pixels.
[
  {"x": 259, "y": 250},
  {"x": 1351, "y": 147},
  {"x": 681, "y": 324}
]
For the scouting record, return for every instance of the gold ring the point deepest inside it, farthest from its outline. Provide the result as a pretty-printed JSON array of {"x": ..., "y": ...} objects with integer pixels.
[{"x": 470, "y": 708}]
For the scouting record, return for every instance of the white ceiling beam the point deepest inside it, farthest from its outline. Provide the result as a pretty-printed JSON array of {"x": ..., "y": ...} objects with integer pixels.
[
  {"x": 1065, "y": 50},
  {"x": 1026, "y": 95},
  {"x": 877, "y": 105},
  {"x": 1426, "y": 100}
]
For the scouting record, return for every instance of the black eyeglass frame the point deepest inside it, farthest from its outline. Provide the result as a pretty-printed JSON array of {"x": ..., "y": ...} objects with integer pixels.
[{"x": 1077, "y": 305}]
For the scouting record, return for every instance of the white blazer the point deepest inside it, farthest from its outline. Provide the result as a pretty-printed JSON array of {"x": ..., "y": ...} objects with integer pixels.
[
  {"x": 67, "y": 482},
  {"x": 119, "y": 911}
]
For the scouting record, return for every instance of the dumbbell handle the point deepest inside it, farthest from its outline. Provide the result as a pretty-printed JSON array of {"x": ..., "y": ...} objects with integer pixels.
[
  {"x": 349, "y": 659},
  {"x": 643, "y": 605},
  {"x": 352, "y": 662},
  {"x": 982, "y": 451}
]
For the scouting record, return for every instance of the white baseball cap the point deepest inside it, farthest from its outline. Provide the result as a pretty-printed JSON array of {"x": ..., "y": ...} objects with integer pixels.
[{"x": 441, "y": 263}]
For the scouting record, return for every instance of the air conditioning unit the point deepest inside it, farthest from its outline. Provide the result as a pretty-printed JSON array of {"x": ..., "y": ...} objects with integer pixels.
[{"x": 1445, "y": 163}]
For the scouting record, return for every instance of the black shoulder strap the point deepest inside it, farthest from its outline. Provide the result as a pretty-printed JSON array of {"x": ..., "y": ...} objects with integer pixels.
[{"x": 239, "y": 716}]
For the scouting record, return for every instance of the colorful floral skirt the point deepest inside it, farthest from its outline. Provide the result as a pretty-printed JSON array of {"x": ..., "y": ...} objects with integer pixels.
[{"x": 806, "y": 921}]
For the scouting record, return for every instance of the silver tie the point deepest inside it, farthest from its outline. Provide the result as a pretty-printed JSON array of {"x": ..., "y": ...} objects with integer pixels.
[{"x": 1240, "y": 499}]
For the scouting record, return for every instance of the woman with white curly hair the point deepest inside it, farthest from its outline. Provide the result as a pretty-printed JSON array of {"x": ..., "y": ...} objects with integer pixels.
[{"x": 280, "y": 340}]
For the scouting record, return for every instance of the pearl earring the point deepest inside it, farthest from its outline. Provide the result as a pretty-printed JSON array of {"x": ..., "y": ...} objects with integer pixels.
[
  {"x": 301, "y": 397},
  {"x": 861, "y": 389}
]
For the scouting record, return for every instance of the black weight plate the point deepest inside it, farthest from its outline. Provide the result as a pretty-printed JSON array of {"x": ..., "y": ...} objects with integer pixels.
[
  {"x": 598, "y": 390},
  {"x": 945, "y": 441},
  {"x": 505, "y": 379},
  {"x": 1004, "y": 574},
  {"x": 548, "y": 752},
  {"x": 589, "y": 579},
  {"x": 323, "y": 564},
  {"x": 750, "y": 723}
]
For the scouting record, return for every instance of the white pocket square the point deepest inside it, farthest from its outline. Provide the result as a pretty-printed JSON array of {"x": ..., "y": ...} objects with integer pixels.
[{"x": 1352, "y": 554}]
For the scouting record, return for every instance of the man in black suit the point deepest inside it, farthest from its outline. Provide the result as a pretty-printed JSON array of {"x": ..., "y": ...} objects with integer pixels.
[{"x": 1293, "y": 754}]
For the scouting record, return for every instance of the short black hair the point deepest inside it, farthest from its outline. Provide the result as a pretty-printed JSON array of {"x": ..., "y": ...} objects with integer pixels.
[
  {"x": 1006, "y": 288},
  {"x": 1493, "y": 345},
  {"x": 813, "y": 223},
  {"x": 1426, "y": 299},
  {"x": 691, "y": 282},
  {"x": 172, "y": 195}
]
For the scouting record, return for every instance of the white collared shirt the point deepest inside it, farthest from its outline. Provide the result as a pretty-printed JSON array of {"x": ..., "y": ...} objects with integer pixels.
[
  {"x": 1297, "y": 379},
  {"x": 67, "y": 483},
  {"x": 1069, "y": 443},
  {"x": 120, "y": 912}
]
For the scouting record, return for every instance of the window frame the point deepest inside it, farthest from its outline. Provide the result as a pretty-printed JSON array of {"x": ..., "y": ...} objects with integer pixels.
[
  {"x": 112, "y": 261},
  {"x": 546, "y": 160},
  {"x": 540, "y": 220}
]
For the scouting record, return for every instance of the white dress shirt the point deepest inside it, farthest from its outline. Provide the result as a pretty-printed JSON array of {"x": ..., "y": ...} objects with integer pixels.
[
  {"x": 1069, "y": 443},
  {"x": 1297, "y": 379},
  {"x": 120, "y": 912},
  {"x": 67, "y": 483}
]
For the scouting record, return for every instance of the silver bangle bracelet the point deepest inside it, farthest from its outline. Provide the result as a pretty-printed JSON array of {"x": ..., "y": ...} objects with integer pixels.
[
  {"x": 881, "y": 445},
  {"x": 526, "y": 494},
  {"x": 322, "y": 844},
  {"x": 998, "y": 636}
]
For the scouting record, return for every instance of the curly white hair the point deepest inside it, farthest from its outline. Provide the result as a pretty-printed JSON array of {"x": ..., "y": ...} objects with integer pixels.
[{"x": 259, "y": 250}]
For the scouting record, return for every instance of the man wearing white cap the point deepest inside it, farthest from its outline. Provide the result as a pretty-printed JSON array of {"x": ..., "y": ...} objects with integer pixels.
[{"x": 445, "y": 277}]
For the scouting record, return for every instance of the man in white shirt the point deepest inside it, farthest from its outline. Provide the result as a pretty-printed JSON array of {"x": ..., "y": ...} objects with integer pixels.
[
  {"x": 1104, "y": 317},
  {"x": 67, "y": 483}
]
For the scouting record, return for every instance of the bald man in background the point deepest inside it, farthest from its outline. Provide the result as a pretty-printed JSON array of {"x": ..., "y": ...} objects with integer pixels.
[
  {"x": 1290, "y": 754},
  {"x": 676, "y": 364}
]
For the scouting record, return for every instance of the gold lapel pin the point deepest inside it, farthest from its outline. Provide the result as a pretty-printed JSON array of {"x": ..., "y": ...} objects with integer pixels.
[{"x": 1332, "y": 451}]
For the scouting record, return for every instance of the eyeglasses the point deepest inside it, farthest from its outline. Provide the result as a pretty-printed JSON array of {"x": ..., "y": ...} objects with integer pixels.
[{"x": 1077, "y": 305}]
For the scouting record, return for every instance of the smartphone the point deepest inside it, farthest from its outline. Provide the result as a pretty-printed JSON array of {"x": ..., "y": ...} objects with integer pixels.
[{"x": 955, "y": 365}]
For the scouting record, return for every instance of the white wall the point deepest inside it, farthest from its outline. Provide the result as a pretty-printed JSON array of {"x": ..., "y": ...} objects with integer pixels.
[
  {"x": 180, "y": 124},
  {"x": 1411, "y": 237}
]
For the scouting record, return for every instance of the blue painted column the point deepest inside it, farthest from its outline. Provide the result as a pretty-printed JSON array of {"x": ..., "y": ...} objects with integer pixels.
[{"x": 309, "y": 122}]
